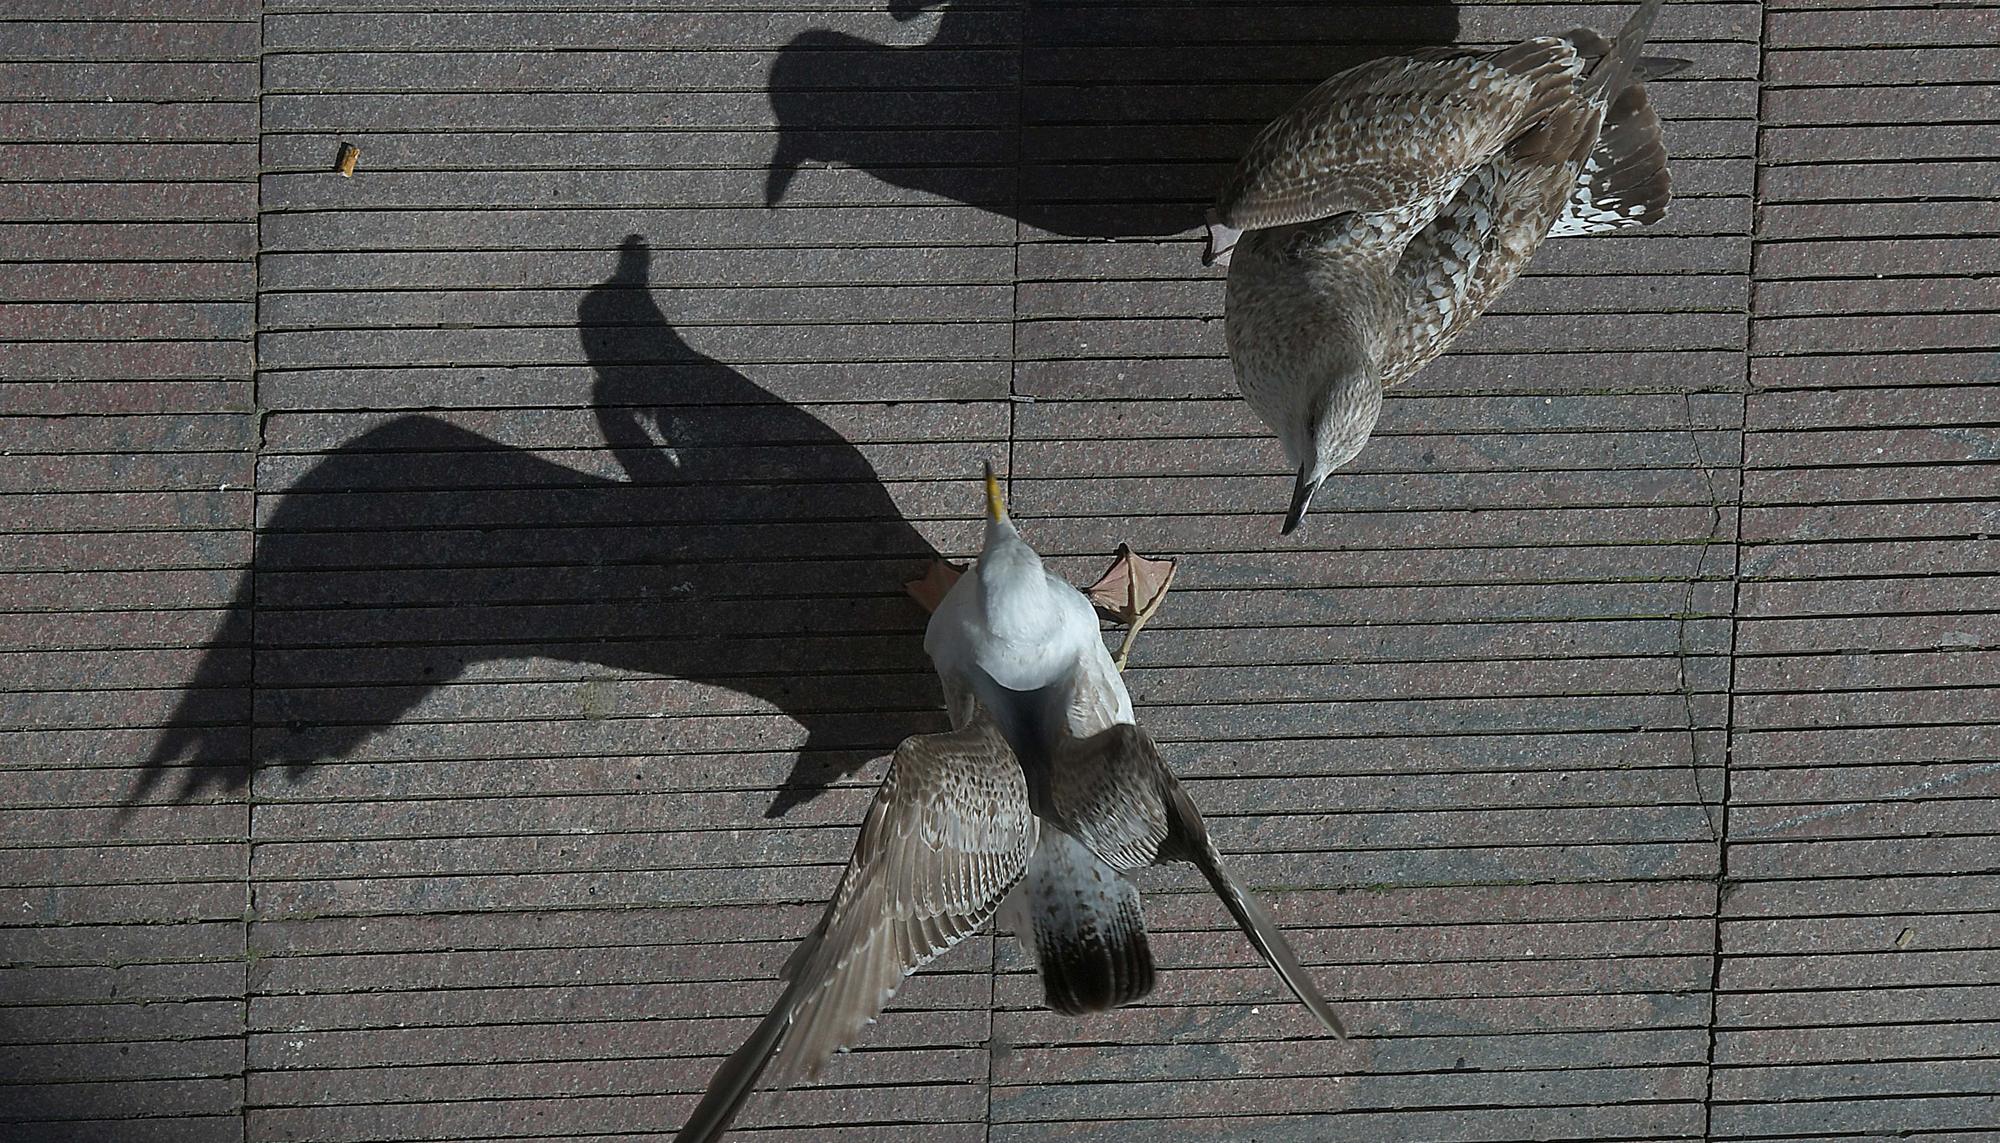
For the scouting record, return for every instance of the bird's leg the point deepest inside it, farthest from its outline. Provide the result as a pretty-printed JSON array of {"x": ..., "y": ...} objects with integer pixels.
[
  {"x": 1140, "y": 613},
  {"x": 1129, "y": 592},
  {"x": 1124, "y": 657}
]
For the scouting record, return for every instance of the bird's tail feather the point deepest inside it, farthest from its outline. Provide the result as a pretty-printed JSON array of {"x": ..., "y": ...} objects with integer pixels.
[
  {"x": 1594, "y": 45},
  {"x": 1086, "y": 926},
  {"x": 1250, "y": 915},
  {"x": 1609, "y": 77}
]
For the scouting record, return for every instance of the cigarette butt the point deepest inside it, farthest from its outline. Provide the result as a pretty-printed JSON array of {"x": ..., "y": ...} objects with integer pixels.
[{"x": 344, "y": 162}]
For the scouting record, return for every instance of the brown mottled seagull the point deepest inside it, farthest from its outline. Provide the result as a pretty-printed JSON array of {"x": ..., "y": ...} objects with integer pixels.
[
  {"x": 1042, "y": 798},
  {"x": 1372, "y": 222}
]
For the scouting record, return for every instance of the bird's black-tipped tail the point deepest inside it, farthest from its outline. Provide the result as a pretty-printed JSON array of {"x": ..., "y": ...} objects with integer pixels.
[
  {"x": 1256, "y": 924},
  {"x": 1612, "y": 72},
  {"x": 1088, "y": 931}
]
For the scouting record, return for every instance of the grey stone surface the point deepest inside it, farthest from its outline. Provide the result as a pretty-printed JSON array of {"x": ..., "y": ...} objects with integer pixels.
[{"x": 449, "y": 650}]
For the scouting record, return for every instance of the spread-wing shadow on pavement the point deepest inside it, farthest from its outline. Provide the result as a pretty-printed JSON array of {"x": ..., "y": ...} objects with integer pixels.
[{"x": 752, "y": 547}]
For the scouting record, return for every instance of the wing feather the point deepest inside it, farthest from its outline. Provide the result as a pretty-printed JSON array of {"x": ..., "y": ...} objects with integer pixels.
[
  {"x": 1472, "y": 251},
  {"x": 1394, "y": 136},
  {"x": 1249, "y": 913},
  {"x": 948, "y": 834}
]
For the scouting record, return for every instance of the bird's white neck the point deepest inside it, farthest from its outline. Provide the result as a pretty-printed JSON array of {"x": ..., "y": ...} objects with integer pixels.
[{"x": 1013, "y": 587}]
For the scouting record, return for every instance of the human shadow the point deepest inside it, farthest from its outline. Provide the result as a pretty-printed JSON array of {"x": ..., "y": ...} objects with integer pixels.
[
  {"x": 1078, "y": 119},
  {"x": 751, "y": 547}
]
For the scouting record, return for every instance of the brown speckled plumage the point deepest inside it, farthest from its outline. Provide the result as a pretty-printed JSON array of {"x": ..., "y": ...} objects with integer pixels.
[
  {"x": 1042, "y": 798},
  {"x": 946, "y": 837},
  {"x": 1391, "y": 206},
  {"x": 949, "y": 834}
]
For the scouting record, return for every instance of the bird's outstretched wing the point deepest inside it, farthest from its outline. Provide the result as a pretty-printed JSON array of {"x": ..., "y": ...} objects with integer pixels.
[
  {"x": 946, "y": 837},
  {"x": 1394, "y": 137},
  {"x": 1249, "y": 912}
]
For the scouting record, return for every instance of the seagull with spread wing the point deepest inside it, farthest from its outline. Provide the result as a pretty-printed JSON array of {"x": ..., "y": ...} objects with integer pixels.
[
  {"x": 1369, "y": 225},
  {"x": 1038, "y": 802}
]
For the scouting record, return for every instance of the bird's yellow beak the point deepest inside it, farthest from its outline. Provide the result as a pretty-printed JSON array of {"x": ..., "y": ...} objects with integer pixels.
[{"x": 996, "y": 507}]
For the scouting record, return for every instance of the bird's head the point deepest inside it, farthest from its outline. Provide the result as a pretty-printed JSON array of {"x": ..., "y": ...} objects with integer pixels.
[
  {"x": 1328, "y": 426},
  {"x": 634, "y": 258}
]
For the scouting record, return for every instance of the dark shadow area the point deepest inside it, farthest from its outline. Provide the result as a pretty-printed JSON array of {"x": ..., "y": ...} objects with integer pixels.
[
  {"x": 1080, "y": 119},
  {"x": 752, "y": 547}
]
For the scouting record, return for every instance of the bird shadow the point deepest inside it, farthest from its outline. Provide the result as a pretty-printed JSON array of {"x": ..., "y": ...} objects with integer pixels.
[
  {"x": 750, "y": 547},
  {"x": 1077, "y": 119}
]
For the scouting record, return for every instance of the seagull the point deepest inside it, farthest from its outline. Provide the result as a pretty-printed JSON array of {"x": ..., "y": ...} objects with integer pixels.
[
  {"x": 1372, "y": 222},
  {"x": 1034, "y": 806}
]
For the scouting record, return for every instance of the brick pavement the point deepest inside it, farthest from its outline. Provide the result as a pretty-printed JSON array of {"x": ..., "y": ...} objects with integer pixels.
[{"x": 454, "y": 611}]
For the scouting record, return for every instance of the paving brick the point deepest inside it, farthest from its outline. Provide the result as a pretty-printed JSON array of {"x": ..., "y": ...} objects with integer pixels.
[
  {"x": 578, "y": 1079},
  {"x": 937, "y": 989},
  {"x": 1838, "y": 66},
  {"x": 692, "y": 307},
  {"x": 211, "y": 1129},
  {"x": 1962, "y": 1040},
  {"x": 1646, "y": 1122},
  {"x": 162, "y": 122},
  {"x": 130, "y": 39},
  {"x": 1882, "y": 296},
  {"x": 1893, "y": 477},
  {"x": 122, "y": 1063},
  {"x": 555, "y": 132},
  {"x": 1871, "y": 858},
  {"x": 123, "y": 241},
  {"x": 824, "y": 226},
  {"x": 1796, "y": 747},
  {"x": 937, "y": 1108},
  {"x": 1781, "y": 222},
  {"x": 1893, "y": 968},
  {"x": 1129, "y": 1099},
  {"x": 1870, "y": 370},
  {"x": 1950, "y": 520},
  {"x": 181, "y": 1099},
  {"x": 127, "y": 361},
  {"x": 1857, "y": 1115},
  {"x": 1854, "y": 106},
  {"x": 135, "y": 864},
  {"x": 707, "y": 31},
  {"x": 1852, "y": 181},
  {"x": 1874, "y": 29},
  {"x": 1509, "y": 1054},
  {"x": 1871, "y": 934},
  {"x": 1864, "y": 258},
  {"x": 187, "y": 398},
  {"x": 122, "y": 202},
  {"x": 137, "y": 162}
]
